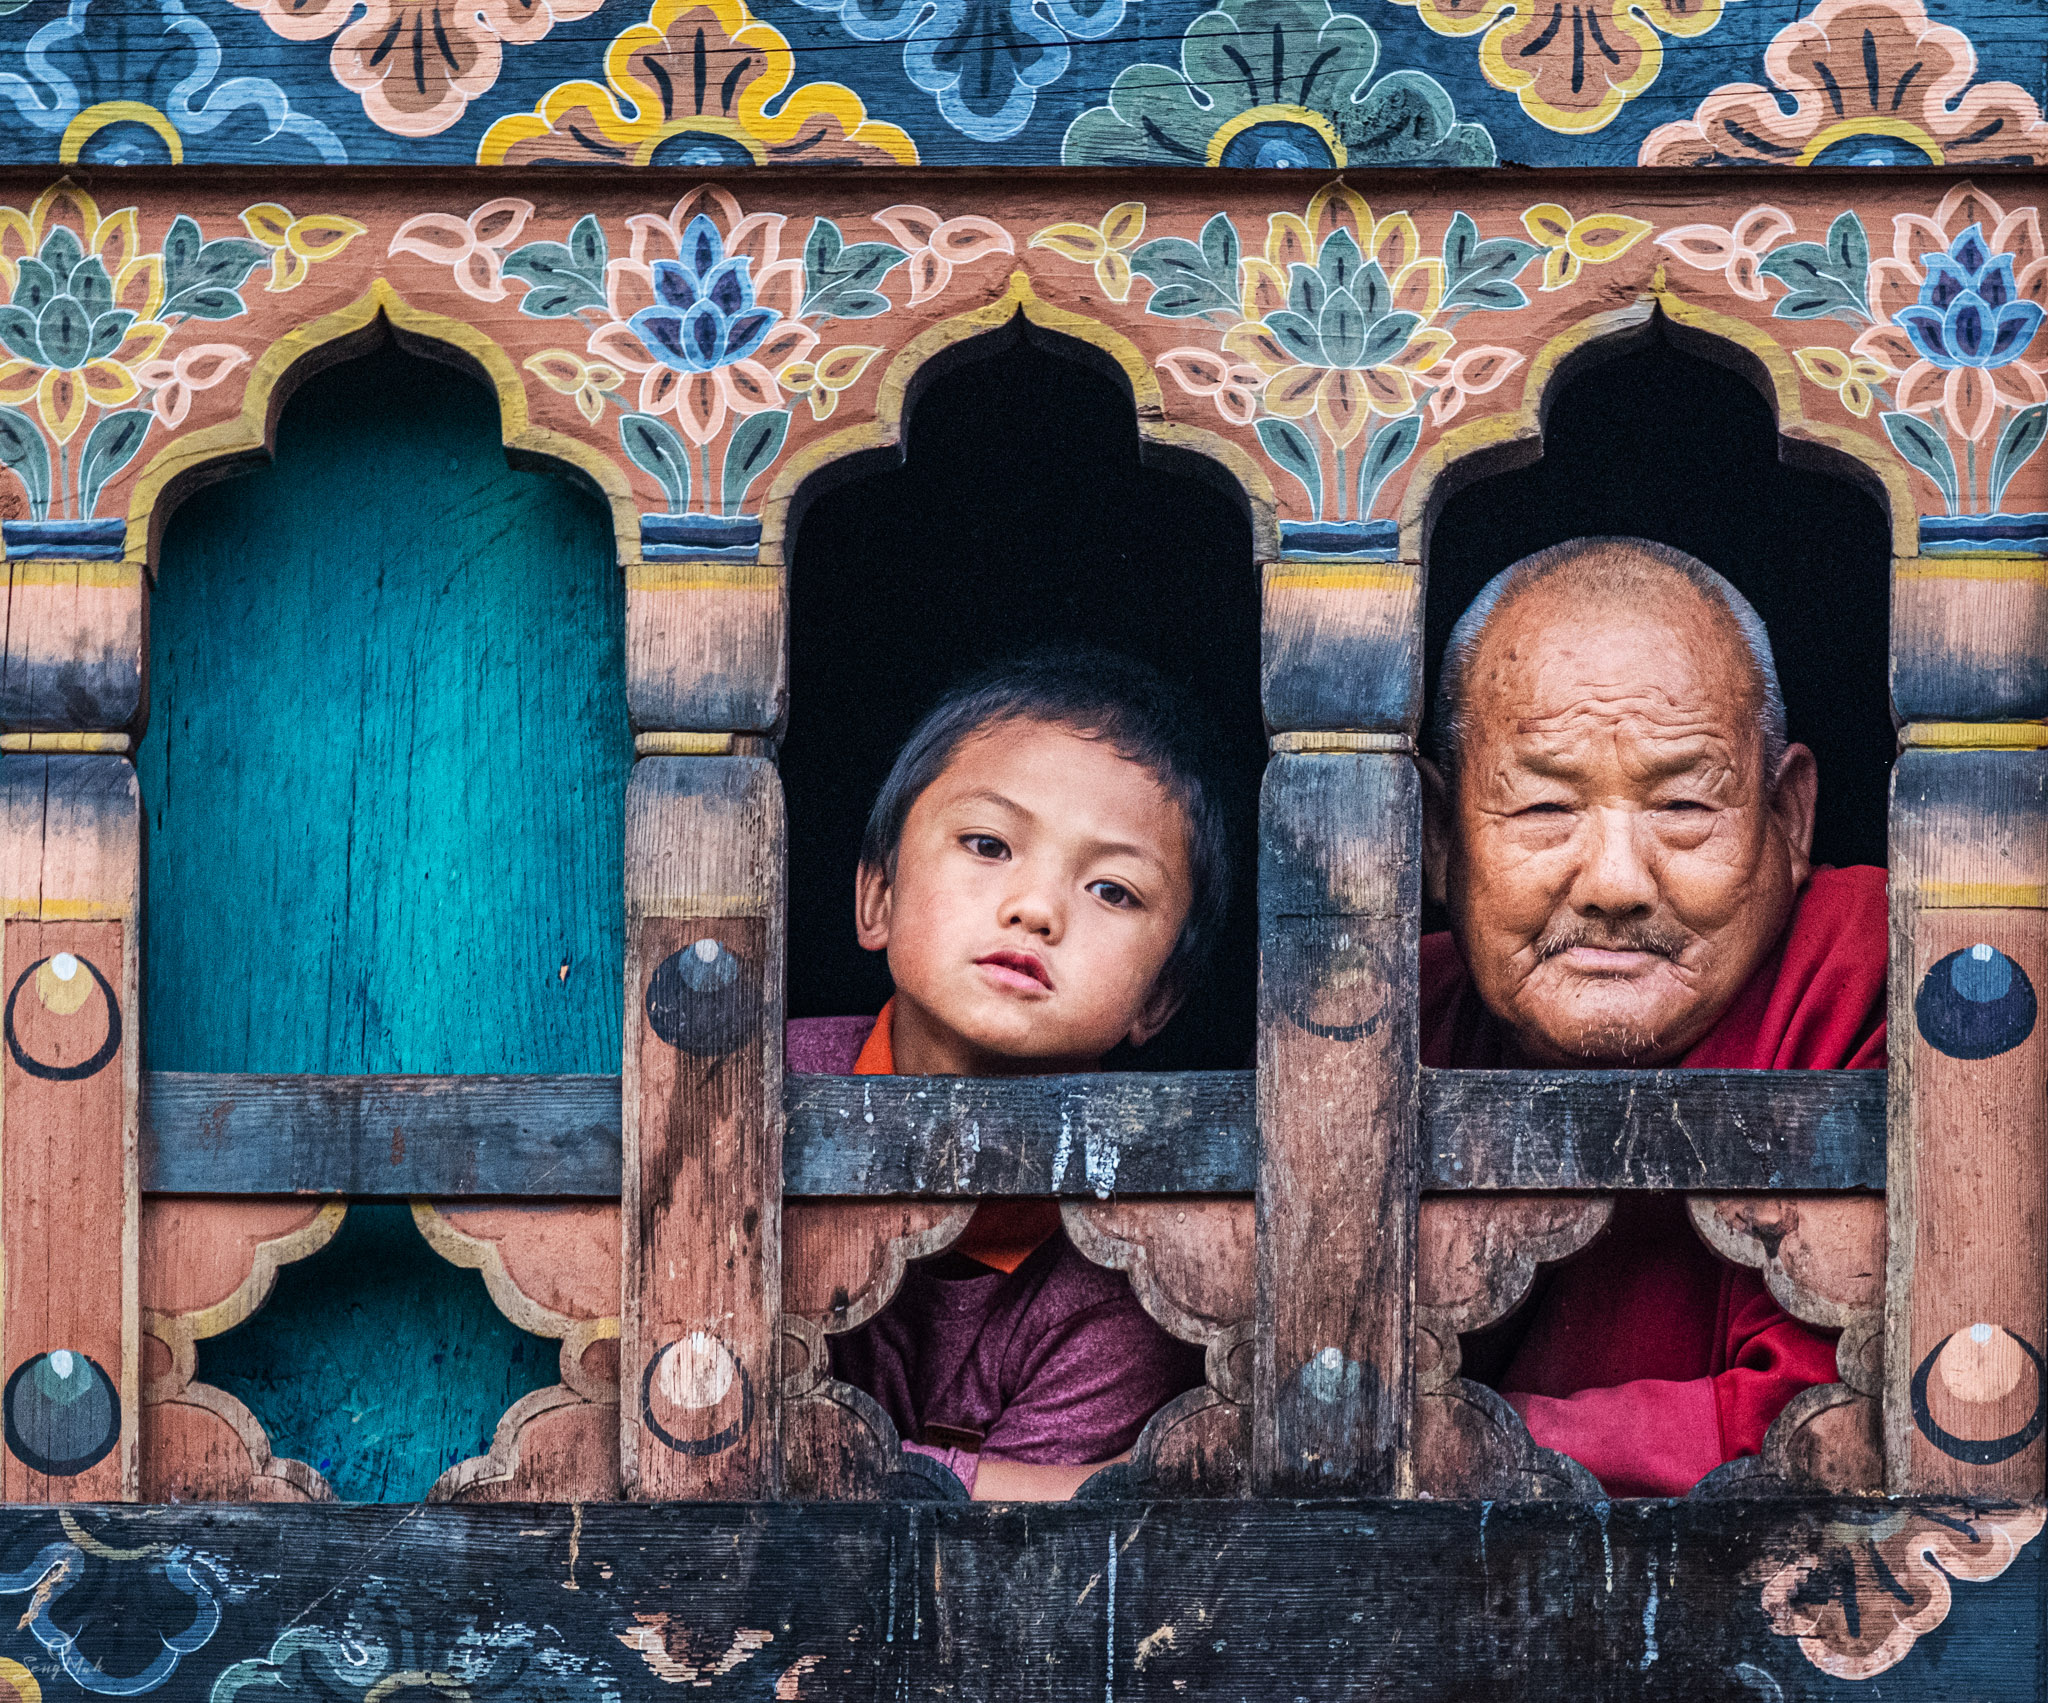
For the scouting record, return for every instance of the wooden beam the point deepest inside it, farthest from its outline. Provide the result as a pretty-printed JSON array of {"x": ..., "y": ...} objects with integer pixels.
[
  {"x": 1340, "y": 894},
  {"x": 1196, "y": 1602},
  {"x": 557, "y": 1137}
]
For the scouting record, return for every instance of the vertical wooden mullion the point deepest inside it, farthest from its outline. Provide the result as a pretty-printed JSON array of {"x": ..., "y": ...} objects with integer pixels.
[
  {"x": 701, "y": 1205},
  {"x": 1338, "y": 1077},
  {"x": 70, "y": 1209},
  {"x": 1966, "y": 1298}
]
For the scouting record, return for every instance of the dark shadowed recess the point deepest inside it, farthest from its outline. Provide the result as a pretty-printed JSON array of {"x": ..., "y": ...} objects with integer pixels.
[
  {"x": 1021, "y": 517},
  {"x": 1660, "y": 444}
]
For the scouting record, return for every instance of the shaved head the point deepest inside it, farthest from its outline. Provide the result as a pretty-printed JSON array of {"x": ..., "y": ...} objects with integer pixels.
[{"x": 1588, "y": 577}]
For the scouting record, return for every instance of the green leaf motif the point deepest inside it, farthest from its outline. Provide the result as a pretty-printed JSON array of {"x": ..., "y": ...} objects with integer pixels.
[
  {"x": 556, "y": 285},
  {"x": 1815, "y": 288},
  {"x": 112, "y": 444},
  {"x": 1291, "y": 451},
  {"x": 2016, "y": 445},
  {"x": 201, "y": 279},
  {"x": 652, "y": 445},
  {"x": 588, "y": 251},
  {"x": 1190, "y": 278},
  {"x": 24, "y": 454},
  {"x": 1482, "y": 274},
  {"x": 843, "y": 282},
  {"x": 1922, "y": 446},
  {"x": 1389, "y": 447},
  {"x": 756, "y": 442}
]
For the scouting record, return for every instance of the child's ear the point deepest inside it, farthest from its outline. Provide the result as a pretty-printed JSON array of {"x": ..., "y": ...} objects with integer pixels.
[
  {"x": 1436, "y": 829},
  {"x": 873, "y": 899},
  {"x": 1157, "y": 1011}
]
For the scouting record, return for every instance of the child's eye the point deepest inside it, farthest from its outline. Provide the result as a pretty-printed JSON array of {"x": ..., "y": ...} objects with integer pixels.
[
  {"x": 1113, "y": 893},
  {"x": 985, "y": 845}
]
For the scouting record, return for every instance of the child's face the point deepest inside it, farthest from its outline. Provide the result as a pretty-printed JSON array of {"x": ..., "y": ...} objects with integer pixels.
[{"x": 1040, "y": 887}]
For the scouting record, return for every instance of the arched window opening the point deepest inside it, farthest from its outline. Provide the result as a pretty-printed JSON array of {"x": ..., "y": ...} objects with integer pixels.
[
  {"x": 1658, "y": 443},
  {"x": 1022, "y": 516},
  {"x": 383, "y": 782}
]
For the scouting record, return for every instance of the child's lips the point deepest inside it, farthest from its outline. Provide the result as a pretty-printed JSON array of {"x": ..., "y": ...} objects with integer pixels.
[{"x": 1018, "y": 971}]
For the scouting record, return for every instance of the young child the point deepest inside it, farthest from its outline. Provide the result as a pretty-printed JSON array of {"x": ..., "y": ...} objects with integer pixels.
[{"x": 1047, "y": 868}]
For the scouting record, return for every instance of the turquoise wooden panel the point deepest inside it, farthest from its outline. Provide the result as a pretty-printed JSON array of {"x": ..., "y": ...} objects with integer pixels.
[
  {"x": 377, "y": 1362},
  {"x": 386, "y": 759}
]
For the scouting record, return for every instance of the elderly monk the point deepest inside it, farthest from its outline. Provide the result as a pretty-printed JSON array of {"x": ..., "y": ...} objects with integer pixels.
[{"x": 1622, "y": 835}]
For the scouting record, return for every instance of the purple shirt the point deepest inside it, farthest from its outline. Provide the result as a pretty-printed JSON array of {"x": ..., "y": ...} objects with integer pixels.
[{"x": 1055, "y": 1363}]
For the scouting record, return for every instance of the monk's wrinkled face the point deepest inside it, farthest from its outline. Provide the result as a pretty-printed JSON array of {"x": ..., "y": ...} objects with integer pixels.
[{"x": 1616, "y": 861}]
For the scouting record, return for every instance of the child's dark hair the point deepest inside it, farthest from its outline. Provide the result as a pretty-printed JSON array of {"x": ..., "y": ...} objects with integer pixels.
[{"x": 1100, "y": 694}]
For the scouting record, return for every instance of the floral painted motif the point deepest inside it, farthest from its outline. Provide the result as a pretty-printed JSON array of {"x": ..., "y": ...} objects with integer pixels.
[
  {"x": 84, "y": 328},
  {"x": 1335, "y": 336},
  {"x": 692, "y": 87},
  {"x": 1861, "y": 1599},
  {"x": 1310, "y": 103},
  {"x": 108, "y": 87},
  {"x": 417, "y": 64},
  {"x": 1948, "y": 345},
  {"x": 705, "y": 332},
  {"x": 1573, "y": 64},
  {"x": 984, "y": 61},
  {"x": 1874, "y": 83}
]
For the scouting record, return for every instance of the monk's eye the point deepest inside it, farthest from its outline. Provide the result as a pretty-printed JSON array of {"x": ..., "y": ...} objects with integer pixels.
[
  {"x": 1686, "y": 804},
  {"x": 985, "y": 845},
  {"x": 1114, "y": 893},
  {"x": 1548, "y": 808}
]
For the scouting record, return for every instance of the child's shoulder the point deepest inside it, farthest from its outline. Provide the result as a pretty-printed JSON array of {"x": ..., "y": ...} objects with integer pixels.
[{"x": 824, "y": 1046}]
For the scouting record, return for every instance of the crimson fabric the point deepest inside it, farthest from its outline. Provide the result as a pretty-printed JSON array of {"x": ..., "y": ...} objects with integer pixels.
[
  {"x": 1648, "y": 1358},
  {"x": 1049, "y": 1357}
]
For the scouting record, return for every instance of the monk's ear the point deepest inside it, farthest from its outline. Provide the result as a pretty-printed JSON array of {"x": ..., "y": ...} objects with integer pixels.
[
  {"x": 1436, "y": 829},
  {"x": 873, "y": 901},
  {"x": 1795, "y": 790}
]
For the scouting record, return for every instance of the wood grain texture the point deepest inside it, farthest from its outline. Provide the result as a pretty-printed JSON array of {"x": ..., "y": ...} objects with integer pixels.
[
  {"x": 1967, "y": 1282},
  {"x": 387, "y": 692},
  {"x": 701, "y": 1208},
  {"x": 1654, "y": 1129},
  {"x": 380, "y": 1136},
  {"x": 1657, "y": 1600},
  {"x": 1341, "y": 646},
  {"x": 1339, "y": 903},
  {"x": 70, "y": 1207},
  {"x": 73, "y": 657},
  {"x": 1970, "y": 638},
  {"x": 706, "y": 648},
  {"x": 1476, "y": 1256}
]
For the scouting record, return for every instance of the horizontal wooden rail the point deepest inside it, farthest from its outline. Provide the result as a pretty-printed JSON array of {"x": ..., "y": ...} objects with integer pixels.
[{"x": 1182, "y": 1133}]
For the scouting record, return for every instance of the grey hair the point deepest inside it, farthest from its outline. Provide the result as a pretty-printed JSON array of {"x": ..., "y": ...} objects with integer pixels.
[{"x": 1531, "y": 571}]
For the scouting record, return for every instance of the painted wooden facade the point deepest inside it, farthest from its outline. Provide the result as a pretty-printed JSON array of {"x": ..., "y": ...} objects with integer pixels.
[{"x": 701, "y": 259}]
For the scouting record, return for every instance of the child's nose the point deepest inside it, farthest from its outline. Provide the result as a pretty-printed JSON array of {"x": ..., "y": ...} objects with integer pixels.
[{"x": 1035, "y": 911}]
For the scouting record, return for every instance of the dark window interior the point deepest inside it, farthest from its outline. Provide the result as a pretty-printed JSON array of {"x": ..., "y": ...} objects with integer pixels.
[
  {"x": 1660, "y": 444},
  {"x": 1021, "y": 516}
]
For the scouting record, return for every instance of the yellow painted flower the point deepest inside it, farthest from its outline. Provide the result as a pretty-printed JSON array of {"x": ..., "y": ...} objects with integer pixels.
[
  {"x": 1571, "y": 243},
  {"x": 588, "y": 382},
  {"x": 295, "y": 244},
  {"x": 821, "y": 380},
  {"x": 1848, "y": 376},
  {"x": 1106, "y": 246}
]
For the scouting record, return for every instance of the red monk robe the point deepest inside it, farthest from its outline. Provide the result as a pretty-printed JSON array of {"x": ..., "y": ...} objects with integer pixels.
[{"x": 1649, "y": 1359}]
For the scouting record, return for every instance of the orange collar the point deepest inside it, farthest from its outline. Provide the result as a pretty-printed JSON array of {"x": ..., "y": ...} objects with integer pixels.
[{"x": 1002, "y": 1233}]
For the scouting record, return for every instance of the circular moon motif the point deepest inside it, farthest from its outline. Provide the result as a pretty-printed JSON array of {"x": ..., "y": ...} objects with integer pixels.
[
  {"x": 688, "y": 1386},
  {"x": 61, "y": 1413},
  {"x": 702, "y": 999},
  {"x": 1975, "y": 1003},
  {"x": 1976, "y": 1367},
  {"x": 64, "y": 982}
]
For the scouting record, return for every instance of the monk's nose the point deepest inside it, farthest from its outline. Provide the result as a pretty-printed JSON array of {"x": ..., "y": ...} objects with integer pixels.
[{"x": 1616, "y": 879}]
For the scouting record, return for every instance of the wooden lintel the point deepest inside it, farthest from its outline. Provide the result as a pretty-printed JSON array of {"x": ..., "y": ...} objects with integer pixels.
[
  {"x": 941, "y": 1138},
  {"x": 1187, "y": 1601}
]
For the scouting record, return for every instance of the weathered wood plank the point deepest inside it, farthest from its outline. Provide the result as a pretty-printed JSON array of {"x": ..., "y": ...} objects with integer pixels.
[
  {"x": 946, "y": 1138},
  {"x": 1654, "y": 1129},
  {"x": 1802, "y": 1601},
  {"x": 701, "y": 1170},
  {"x": 1339, "y": 906},
  {"x": 371, "y": 1136}
]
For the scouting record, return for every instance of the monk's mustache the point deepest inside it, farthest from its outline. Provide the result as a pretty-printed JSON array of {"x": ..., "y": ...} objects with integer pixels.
[{"x": 1639, "y": 937}]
